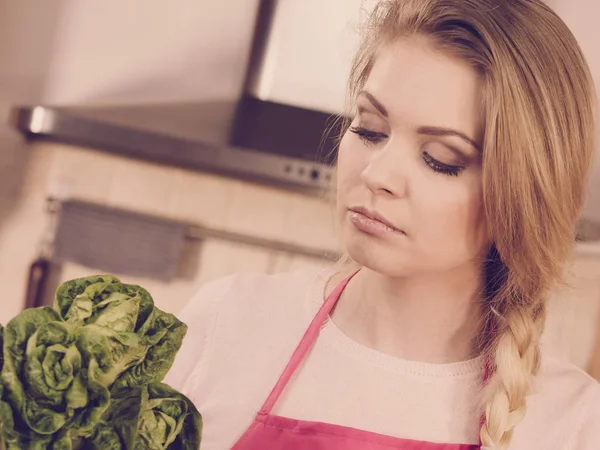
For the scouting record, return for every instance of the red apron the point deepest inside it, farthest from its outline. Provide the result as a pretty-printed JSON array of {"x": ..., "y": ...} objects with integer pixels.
[{"x": 271, "y": 432}]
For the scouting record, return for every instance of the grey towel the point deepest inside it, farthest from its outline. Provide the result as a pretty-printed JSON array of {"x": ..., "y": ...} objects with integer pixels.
[{"x": 111, "y": 240}]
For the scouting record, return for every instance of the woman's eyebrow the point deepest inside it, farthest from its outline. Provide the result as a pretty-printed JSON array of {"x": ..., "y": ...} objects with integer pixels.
[
  {"x": 427, "y": 130},
  {"x": 376, "y": 103},
  {"x": 441, "y": 131}
]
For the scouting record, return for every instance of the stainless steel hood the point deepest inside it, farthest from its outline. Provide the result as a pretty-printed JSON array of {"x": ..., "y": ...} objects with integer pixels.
[
  {"x": 287, "y": 154},
  {"x": 251, "y": 136}
]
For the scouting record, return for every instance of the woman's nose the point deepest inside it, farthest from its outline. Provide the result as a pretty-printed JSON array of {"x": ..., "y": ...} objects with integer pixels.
[{"x": 385, "y": 174}]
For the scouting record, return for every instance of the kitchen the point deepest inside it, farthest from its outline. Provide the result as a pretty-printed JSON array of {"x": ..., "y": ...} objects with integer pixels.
[{"x": 88, "y": 91}]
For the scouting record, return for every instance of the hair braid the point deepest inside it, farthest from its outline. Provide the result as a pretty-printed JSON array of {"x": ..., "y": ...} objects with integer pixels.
[{"x": 515, "y": 362}]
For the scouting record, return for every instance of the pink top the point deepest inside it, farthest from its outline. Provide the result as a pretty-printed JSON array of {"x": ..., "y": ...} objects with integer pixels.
[
  {"x": 283, "y": 433},
  {"x": 229, "y": 363}
]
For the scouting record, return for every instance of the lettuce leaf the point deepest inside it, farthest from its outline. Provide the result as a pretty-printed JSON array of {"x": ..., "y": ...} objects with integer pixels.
[
  {"x": 149, "y": 417},
  {"x": 105, "y": 301},
  {"x": 45, "y": 387},
  {"x": 165, "y": 333}
]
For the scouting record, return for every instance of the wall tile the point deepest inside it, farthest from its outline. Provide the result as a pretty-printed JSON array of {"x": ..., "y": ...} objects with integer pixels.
[
  {"x": 571, "y": 327},
  {"x": 257, "y": 210},
  {"x": 200, "y": 198},
  {"x": 81, "y": 173},
  {"x": 141, "y": 186},
  {"x": 220, "y": 258},
  {"x": 37, "y": 175},
  {"x": 311, "y": 221},
  {"x": 18, "y": 249},
  {"x": 21, "y": 232}
]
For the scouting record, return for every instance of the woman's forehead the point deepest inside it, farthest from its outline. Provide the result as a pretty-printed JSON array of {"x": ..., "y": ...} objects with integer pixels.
[{"x": 421, "y": 86}]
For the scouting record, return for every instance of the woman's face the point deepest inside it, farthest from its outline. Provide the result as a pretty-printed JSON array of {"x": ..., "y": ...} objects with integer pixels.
[{"x": 412, "y": 159}]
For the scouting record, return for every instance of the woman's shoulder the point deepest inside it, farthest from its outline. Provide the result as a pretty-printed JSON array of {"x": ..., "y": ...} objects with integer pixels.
[
  {"x": 235, "y": 314},
  {"x": 256, "y": 300},
  {"x": 565, "y": 407},
  {"x": 565, "y": 381},
  {"x": 257, "y": 290}
]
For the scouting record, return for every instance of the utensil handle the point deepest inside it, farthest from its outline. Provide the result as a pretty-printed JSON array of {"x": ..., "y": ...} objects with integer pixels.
[{"x": 36, "y": 283}]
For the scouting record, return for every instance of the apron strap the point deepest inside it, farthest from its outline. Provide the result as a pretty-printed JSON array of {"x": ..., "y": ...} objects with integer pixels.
[{"x": 305, "y": 344}]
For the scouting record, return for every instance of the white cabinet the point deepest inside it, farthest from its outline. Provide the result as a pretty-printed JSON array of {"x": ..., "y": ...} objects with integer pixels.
[{"x": 307, "y": 59}]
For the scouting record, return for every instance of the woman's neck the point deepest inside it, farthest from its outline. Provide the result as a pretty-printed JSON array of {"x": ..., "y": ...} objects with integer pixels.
[{"x": 433, "y": 319}]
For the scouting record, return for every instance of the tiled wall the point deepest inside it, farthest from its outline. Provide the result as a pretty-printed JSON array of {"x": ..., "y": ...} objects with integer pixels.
[
  {"x": 573, "y": 324},
  {"x": 231, "y": 205},
  {"x": 203, "y": 199},
  {"x": 21, "y": 222}
]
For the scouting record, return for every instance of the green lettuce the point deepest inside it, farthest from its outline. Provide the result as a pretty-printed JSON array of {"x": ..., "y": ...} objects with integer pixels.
[
  {"x": 88, "y": 371},
  {"x": 164, "y": 333},
  {"x": 105, "y": 301},
  {"x": 150, "y": 417}
]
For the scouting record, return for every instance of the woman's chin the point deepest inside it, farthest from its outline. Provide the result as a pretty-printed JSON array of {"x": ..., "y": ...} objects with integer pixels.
[{"x": 380, "y": 257}]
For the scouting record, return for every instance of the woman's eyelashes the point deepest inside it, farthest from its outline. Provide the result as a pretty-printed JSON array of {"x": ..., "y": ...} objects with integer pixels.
[
  {"x": 370, "y": 137},
  {"x": 440, "y": 167}
]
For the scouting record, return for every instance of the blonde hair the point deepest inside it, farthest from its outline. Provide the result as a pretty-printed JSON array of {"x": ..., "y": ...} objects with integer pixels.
[{"x": 539, "y": 107}]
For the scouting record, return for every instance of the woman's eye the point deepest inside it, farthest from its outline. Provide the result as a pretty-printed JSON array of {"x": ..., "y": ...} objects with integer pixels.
[
  {"x": 440, "y": 167},
  {"x": 369, "y": 137}
]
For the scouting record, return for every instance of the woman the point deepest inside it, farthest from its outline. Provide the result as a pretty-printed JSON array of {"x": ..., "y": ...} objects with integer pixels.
[{"x": 459, "y": 184}]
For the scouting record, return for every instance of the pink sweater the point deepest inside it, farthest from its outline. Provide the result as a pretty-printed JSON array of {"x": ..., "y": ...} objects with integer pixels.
[{"x": 244, "y": 328}]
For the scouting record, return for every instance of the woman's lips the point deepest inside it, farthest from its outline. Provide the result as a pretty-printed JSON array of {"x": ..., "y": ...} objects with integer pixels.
[{"x": 370, "y": 222}]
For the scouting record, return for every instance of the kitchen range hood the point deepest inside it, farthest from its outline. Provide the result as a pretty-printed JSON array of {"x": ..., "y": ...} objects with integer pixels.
[
  {"x": 273, "y": 132},
  {"x": 261, "y": 141}
]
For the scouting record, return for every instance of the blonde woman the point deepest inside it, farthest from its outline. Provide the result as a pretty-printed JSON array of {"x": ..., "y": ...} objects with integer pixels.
[{"x": 459, "y": 184}]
